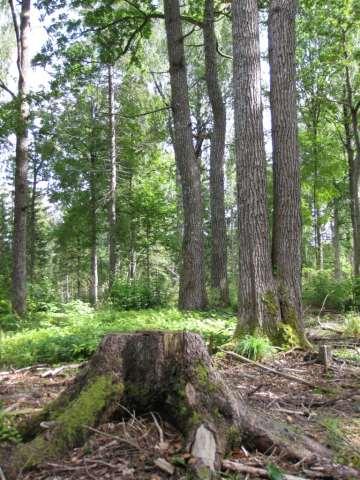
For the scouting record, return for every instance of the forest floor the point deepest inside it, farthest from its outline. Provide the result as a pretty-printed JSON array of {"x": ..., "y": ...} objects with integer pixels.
[{"x": 130, "y": 448}]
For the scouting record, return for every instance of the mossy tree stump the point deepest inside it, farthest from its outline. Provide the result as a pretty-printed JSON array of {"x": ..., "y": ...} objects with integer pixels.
[{"x": 170, "y": 373}]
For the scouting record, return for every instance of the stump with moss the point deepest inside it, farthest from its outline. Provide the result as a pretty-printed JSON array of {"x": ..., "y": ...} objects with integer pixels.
[{"x": 170, "y": 373}]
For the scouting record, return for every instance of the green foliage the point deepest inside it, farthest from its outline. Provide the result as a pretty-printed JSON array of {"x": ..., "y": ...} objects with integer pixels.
[
  {"x": 5, "y": 307},
  {"x": 61, "y": 337},
  {"x": 274, "y": 472},
  {"x": 9, "y": 322},
  {"x": 8, "y": 432},
  {"x": 318, "y": 285},
  {"x": 254, "y": 347},
  {"x": 139, "y": 294},
  {"x": 352, "y": 325}
]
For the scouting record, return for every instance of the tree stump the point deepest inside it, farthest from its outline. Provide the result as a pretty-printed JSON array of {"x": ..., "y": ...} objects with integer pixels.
[{"x": 170, "y": 373}]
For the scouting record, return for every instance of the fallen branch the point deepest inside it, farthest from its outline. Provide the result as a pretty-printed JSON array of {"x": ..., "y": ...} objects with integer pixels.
[
  {"x": 2, "y": 476},
  {"x": 241, "y": 468},
  {"x": 270, "y": 370}
]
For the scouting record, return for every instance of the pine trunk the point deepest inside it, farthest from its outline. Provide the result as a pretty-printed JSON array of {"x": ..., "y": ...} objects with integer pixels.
[
  {"x": 286, "y": 248},
  {"x": 192, "y": 294},
  {"x": 219, "y": 276},
  {"x": 258, "y": 301},
  {"x": 21, "y": 166}
]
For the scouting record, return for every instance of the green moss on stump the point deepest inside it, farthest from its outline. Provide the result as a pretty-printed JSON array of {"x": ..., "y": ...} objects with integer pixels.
[{"x": 71, "y": 423}]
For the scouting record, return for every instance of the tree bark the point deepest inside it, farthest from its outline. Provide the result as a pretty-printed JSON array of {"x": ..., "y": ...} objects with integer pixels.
[
  {"x": 352, "y": 147},
  {"x": 192, "y": 292},
  {"x": 219, "y": 276},
  {"x": 336, "y": 241},
  {"x": 258, "y": 301},
  {"x": 113, "y": 178},
  {"x": 32, "y": 227},
  {"x": 21, "y": 163},
  {"x": 286, "y": 248},
  {"x": 170, "y": 373},
  {"x": 94, "y": 282}
]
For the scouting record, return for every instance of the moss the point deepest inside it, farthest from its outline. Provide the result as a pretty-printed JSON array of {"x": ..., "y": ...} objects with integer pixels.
[
  {"x": 81, "y": 412},
  {"x": 202, "y": 375},
  {"x": 233, "y": 437},
  {"x": 287, "y": 336},
  {"x": 271, "y": 304}
]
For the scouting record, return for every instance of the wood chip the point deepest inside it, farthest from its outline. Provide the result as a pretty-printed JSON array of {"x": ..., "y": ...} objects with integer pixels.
[{"x": 165, "y": 466}]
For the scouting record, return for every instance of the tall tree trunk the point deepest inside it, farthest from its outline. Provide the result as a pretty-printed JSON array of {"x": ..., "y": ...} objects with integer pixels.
[
  {"x": 354, "y": 187},
  {"x": 258, "y": 302},
  {"x": 219, "y": 277},
  {"x": 336, "y": 240},
  {"x": 21, "y": 162},
  {"x": 113, "y": 178},
  {"x": 94, "y": 283},
  {"x": 32, "y": 229},
  {"x": 352, "y": 145},
  {"x": 192, "y": 294},
  {"x": 286, "y": 248},
  {"x": 33, "y": 219},
  {"x": 316, "y": 210}
]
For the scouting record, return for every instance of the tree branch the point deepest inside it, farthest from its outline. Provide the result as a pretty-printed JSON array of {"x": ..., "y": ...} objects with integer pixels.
[
  {"x": 229, "y": 57},
  {"x": 7, "y": 89},
  {"x": 17, "y": 35}
]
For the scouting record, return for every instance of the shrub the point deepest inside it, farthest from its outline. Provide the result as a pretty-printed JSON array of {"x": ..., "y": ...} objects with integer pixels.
[
  {"x": 352, "y": 325},
  {"x": 318, "y": 285},
  {"x": 5, "y": 307},
  {"x": 9, "y": 322},
  {"x": 254, "y": 347},
  {"x": 138, "y": 294},
  {"x": 8, "y": 433}
]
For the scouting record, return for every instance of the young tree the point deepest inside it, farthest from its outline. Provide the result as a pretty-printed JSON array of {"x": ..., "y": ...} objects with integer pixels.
[
  {"x": 192, "y": 293},
  {"x": 219, "y": 275},
  {"x": 286, "y": 247},
  {"x": 258, "y": 302}
]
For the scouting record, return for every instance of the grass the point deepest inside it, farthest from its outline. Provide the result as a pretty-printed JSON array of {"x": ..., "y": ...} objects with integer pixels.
[
  {"x": 254, "y": 347},
  {"x": 342, "y": 436},
  {"x": 74, "y": 335}
]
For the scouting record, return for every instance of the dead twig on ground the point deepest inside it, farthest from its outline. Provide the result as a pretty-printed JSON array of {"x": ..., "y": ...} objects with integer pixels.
[
  {"x": 128, "y": 441},
  {"x": 271, "y": 370}
]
